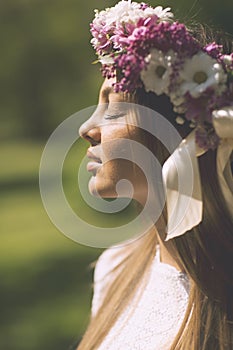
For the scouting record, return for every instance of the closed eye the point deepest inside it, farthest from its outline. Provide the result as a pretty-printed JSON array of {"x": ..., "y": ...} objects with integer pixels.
[{"x": 113, "y": 116}]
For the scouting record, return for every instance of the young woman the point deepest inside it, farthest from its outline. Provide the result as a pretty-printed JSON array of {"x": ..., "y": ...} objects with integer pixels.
[{"x": 172, "y": 288}]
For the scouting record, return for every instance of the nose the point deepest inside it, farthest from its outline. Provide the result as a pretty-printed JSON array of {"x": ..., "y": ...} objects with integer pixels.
[{"x": 91, "y": 133}]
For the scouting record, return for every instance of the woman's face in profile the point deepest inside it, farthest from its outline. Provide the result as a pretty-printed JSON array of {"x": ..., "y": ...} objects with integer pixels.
[{"x": 109, "y": 131}]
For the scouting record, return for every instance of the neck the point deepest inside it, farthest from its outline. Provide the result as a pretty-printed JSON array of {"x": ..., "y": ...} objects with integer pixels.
[{"x": 167, "y": 255}]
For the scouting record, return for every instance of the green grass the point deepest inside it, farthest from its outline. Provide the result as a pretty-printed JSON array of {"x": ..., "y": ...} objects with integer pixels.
[
  {"x": 45, "y": 281},
  {"x": 45, "y": 277}
]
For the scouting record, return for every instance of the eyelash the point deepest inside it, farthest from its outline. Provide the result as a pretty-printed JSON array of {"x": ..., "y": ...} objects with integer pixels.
[{"x": 109, "y": 116}]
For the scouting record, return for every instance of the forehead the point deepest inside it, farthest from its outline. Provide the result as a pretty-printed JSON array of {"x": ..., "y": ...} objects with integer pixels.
[
  {"x": 107, "y": 93},
  {"x": 107, "y": 87}
]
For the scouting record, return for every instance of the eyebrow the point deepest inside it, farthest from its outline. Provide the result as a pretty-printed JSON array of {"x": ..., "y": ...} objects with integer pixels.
[{"x": 107, "y": 91}]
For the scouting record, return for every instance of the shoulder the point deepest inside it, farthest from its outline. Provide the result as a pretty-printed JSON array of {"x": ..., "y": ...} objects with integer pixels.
[
  {"x": 107, "y": 261},
  {"x": 107, "y": 267}
]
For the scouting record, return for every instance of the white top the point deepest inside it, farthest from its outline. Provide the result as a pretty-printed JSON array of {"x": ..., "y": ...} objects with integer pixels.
[{"x": 153, "y": 320}]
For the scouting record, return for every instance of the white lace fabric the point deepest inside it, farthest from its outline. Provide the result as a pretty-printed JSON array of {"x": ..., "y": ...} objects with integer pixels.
[{"x": 154, "y": 316}]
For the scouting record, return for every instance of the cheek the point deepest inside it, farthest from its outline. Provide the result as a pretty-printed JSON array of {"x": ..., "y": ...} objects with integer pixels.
[
  {"x": 118, "y": 142},
  {"x": 109, "y": 175},
  {"x": 106, "y": 179},
  {"x": 119, "y": 155},
  {"x": 117, "y": 169}
]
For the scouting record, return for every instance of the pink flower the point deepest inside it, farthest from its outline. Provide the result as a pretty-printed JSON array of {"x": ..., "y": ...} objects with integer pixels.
[
  {"x": 145, "y": 48},
  {"x": 196, "y": 108},
  {"x": 206, "y": 137},
  {"x": 214, "y": 50}
]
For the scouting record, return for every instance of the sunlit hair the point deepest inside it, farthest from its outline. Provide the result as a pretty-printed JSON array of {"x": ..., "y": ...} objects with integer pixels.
[{"x": 205, "y": 253}]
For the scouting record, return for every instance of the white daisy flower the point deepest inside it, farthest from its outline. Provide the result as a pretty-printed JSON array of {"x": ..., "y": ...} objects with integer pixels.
[
  {"x": 176, "y": 98},
  {"x": 164, "y": 14},
  {"x": 156, "y": 75},
  {"x": 107, "y": 59},
  {"x": 180, "y": 120},
  {"x": 123, "y": 12},
  {"x": 228, "y": 59},
  {"x": 94, "y": 42},
  {"x": 180, "y": 109},
  {"x": 129, "y": 12},
  {"x": 199, "y": 73},
  {"x": 100, "y": 17}
]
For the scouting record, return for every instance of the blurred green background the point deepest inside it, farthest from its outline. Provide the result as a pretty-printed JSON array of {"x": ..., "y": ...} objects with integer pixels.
[{"x": 46, "y": 75}]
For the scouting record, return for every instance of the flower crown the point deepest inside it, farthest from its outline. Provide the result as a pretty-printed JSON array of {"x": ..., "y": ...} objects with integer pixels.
[{"x": 147, "y": 48}]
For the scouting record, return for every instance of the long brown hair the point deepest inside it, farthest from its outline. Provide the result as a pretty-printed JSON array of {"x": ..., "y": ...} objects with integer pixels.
[{"x": 205, "y": 253}]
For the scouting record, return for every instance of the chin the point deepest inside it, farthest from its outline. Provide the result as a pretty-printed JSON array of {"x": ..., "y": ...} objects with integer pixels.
[{"x": 102, "y": 188}]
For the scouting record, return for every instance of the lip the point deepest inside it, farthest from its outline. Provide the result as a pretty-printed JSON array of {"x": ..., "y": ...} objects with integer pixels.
[
  {"x": 92, "y": 156},
  {"x": 93, "y": 167},
  {"x": 95, "y": 162}
]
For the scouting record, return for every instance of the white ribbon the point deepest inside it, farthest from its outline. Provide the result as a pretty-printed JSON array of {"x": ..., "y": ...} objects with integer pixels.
[
  {"x": 181, "y": 177},
  {"x": 223, "y": 124},
  {"x": 182, "y": 186}
]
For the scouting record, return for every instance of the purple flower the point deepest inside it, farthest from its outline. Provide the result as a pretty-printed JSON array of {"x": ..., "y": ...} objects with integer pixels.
[
  {"x": 130, "y": 66},
  {"x": 126, "y": 35},
  {"x": 100, "y": 40},
  {"x": 163, "y": 36},
  {"x": 143, "y": 6},
  {"x": 217, "y": 102},
  {"x": 214, "y": 50},
  {"x": 181, "y": 41},
  {"x": 196, "y": 108},
  {"x": 108, "y": 71},
  {"x": 206, "y": 137}
]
